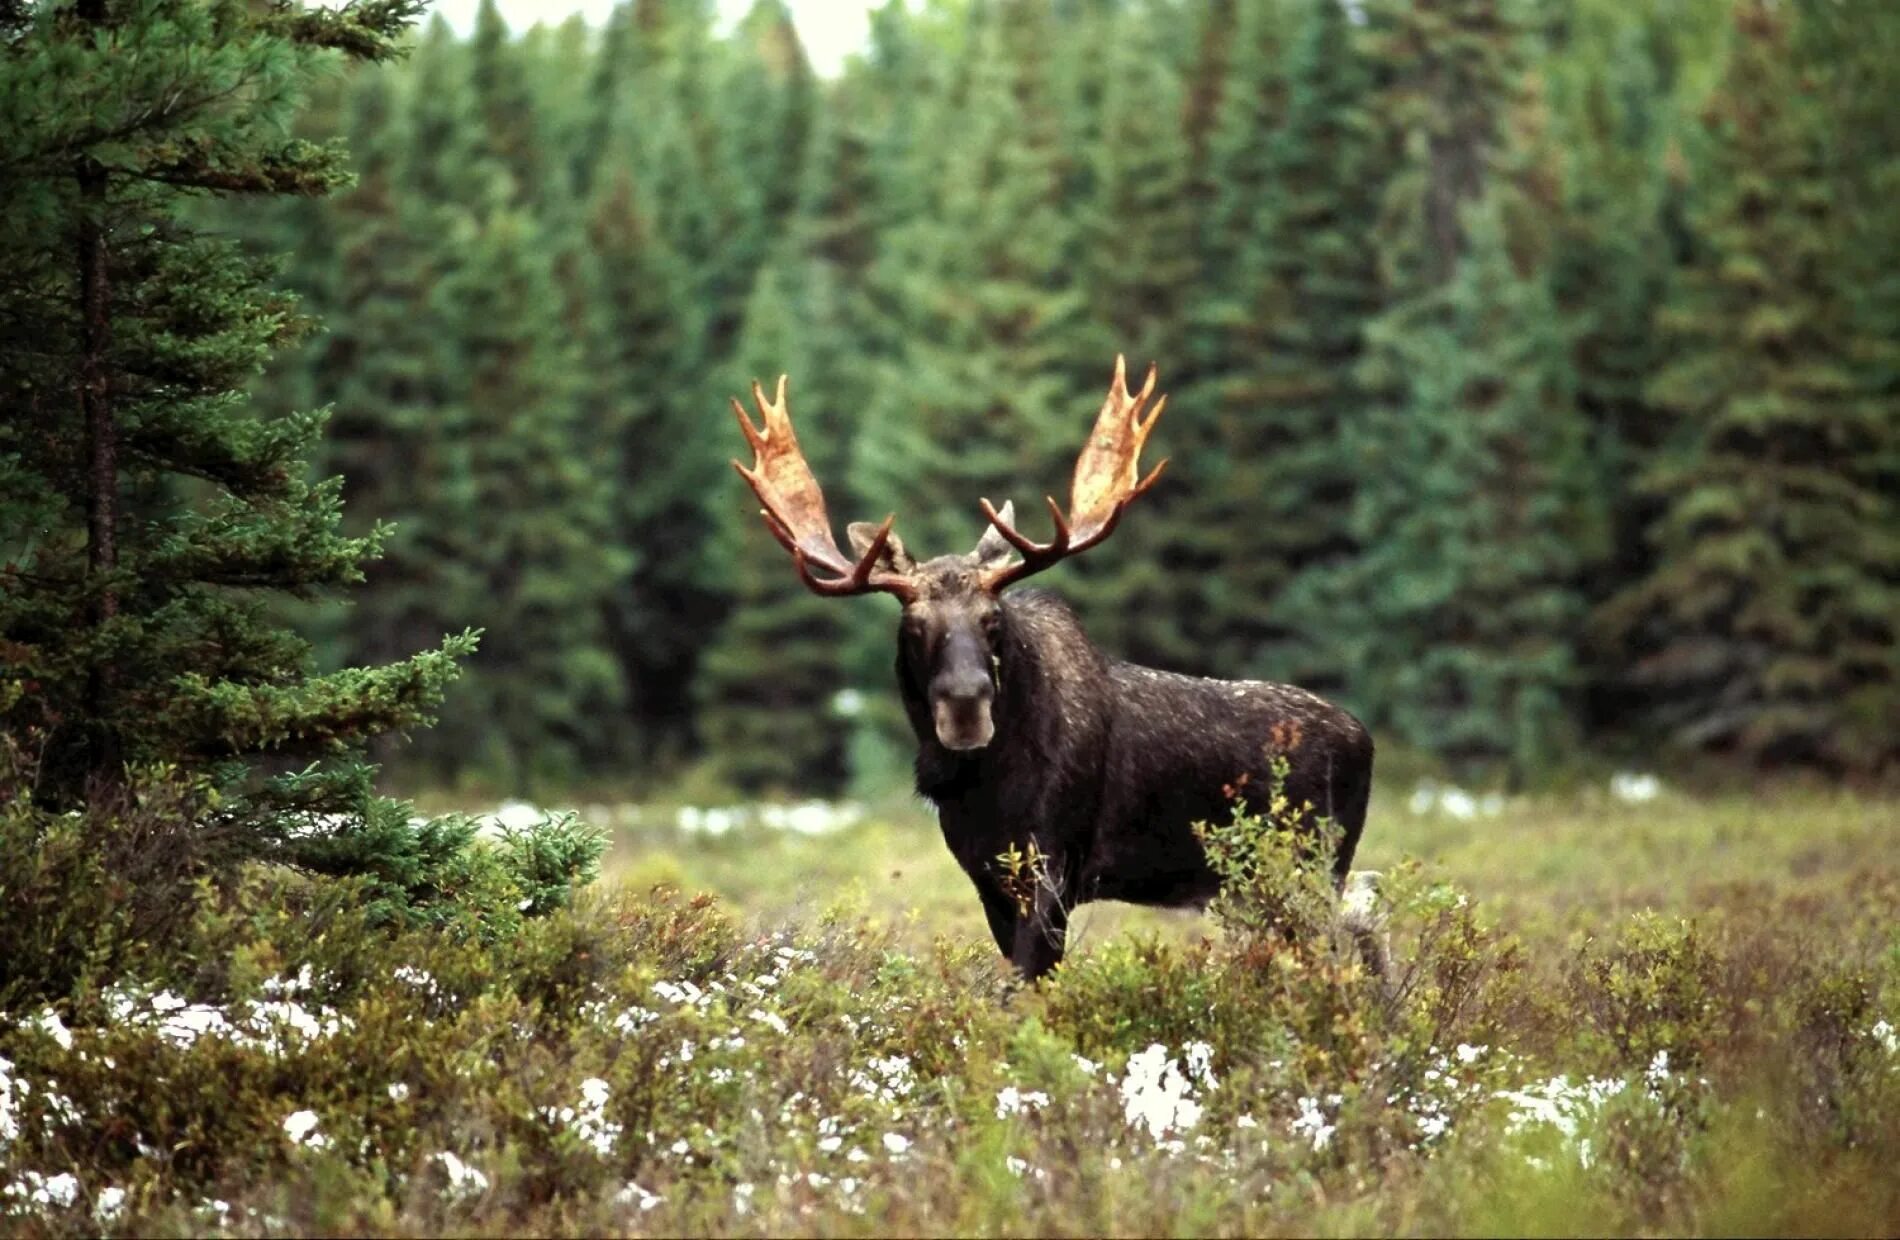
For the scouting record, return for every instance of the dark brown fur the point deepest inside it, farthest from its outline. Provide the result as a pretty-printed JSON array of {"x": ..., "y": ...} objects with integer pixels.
[{"x": 1103, "y": 765}]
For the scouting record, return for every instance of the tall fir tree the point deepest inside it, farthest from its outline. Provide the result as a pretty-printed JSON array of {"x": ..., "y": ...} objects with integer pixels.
[
  {"x": 1460, "y": 616},
  {"x": 1290, "y": 319},
  {"x": 1768, "y": 626},
  {"x": 509, "y": 114},
  {"x": 151, "y": 515},
  {"x": 382, "y": 364},
  {"x": 523, "y": 516},
  {"x": 979, "y": 398},
  {"x": 1135, "y": 266},
  {"x": 1453, "y": 623},
  {"x": 979, "y": 296},
  {"x": 769, "y": 683}
]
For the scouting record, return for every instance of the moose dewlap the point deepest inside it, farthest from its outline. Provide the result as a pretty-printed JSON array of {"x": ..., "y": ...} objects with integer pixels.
[{"x": 1060, "y": 775}]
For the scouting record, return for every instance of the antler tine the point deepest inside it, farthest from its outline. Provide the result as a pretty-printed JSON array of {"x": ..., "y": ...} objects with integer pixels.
[
  {"x": 1107, "y": 479},
  {"x": 794, "y": 506}
]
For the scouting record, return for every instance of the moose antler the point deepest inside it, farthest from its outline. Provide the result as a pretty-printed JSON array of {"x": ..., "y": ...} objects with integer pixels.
[
  {"x": 1105, "y": 482},
  {"x": 795, "y": 508}
]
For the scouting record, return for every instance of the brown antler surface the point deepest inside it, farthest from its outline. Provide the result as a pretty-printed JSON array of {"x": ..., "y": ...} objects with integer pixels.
[
  {"x": 1107, "y": 480},
  {"x": 795, "y": 507}
]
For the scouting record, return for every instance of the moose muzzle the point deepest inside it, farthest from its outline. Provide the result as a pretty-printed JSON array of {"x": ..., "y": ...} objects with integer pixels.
[
  {"x": 961, "y": 693},
  {"x": 963, "y": 719}
]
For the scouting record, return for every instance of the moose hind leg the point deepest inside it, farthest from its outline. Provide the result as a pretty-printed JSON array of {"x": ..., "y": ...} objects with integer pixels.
[{"x": 1352, "y": 792}]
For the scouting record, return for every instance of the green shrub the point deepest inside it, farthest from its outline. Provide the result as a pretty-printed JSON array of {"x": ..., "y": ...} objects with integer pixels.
[
  {"x": 1273, "y": 865},
  {"x": 1652, "y": 991},
  {"x": 85, "y": 891}
]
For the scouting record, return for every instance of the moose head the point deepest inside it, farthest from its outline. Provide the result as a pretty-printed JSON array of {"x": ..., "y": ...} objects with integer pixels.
[{"x": 950, "y": 639}]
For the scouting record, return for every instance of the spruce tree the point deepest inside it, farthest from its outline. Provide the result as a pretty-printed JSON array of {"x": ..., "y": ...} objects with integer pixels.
[
  {"x": 1768, "y": 625},
  {"x": 531, "y": 549},
  {"x": 979, "y": 399},
  {"x": 519, "y": 518},
  {"x": 767, "y": 684},
  {"x": 976, "y": 396},
  {"x": 645, "y": 329},
  {"x": 381, "y": 365},
  {"x": 509, "y": 113},
  {"x": 1453, "y": 622},
  {"x": 1460, "y": 615},
  {"x": 151, "y": 515},
  {"x": 1290, "y": 320},
  {"x": 1136, "y": 267}
]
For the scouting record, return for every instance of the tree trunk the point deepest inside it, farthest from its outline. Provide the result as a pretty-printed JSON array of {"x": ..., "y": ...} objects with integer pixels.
[{"x": 102, "y": 446}]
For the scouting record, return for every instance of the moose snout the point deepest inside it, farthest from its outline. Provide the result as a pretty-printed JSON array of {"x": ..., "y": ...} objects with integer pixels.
[{"x": 962, "y": 713}]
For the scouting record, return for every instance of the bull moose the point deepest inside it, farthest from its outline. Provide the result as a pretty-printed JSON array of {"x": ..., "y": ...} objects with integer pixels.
[{"x": 1032, "y": 741}]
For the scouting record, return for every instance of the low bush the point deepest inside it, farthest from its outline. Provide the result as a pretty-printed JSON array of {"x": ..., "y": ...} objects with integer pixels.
[{"x": 642, "y": 1061}]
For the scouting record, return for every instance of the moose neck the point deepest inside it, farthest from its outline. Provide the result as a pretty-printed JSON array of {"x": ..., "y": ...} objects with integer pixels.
[{"x": 1050, "y": 685}]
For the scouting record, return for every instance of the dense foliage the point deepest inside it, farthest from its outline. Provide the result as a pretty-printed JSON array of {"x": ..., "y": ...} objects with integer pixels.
[
  {"x": 161, "y": 723},
  {"x": 1540, "y": 1060},
  {"x": 1528, "y": 385}
]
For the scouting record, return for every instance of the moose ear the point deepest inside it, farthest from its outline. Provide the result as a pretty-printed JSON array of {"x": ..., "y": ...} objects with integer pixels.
[
  {"x": 894, "y": 560},
  {"x": 993, "y": 550}
]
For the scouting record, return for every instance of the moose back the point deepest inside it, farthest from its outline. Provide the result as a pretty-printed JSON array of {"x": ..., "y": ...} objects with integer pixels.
[{"x": 1031, "y": 742}]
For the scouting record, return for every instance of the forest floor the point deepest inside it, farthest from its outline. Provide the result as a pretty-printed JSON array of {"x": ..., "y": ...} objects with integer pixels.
[{"x": 1635, "y": 1014}]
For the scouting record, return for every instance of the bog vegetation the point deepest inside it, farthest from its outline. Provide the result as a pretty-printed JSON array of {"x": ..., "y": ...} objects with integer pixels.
[
  {"x": 1599, "y": 1017},
  {"x": 1534, "y": 396}
]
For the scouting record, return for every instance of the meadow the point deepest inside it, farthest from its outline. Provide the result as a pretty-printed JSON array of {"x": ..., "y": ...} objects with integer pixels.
[{"x": 1616, "y": 1010}]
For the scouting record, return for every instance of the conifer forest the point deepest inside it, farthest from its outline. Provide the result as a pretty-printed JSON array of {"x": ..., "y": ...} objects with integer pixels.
[{"x": 1532, "y": 375}]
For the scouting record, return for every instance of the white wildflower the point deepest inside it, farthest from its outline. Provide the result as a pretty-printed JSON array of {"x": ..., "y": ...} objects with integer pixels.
[
  {"x": 49, "y": 1023},
  {"x": 683, "y": 993},
  {"x": 109, "y": 1204},
  {"x": 888, "y": 1079},
  {"x": 896, "y": 1143},
  {"x": 9, "y": 1118},
  {"x": 1200, "y": 1063},
  {"x": 588, "y": 1120},
  {"x": 1632, "y": 788},
  {"x": 301, "y": 1128},
  {"x": 1312, "y": 1124},
  {"x": 1012, "y": 1101},
  {"x": 634, "y": 1195},
  {"x": 464, "y": 1181},
  {"x": 631, "y": 1020},
  {"x": 35, "y": 1190},
  {"x": 418, "y": 979},
  {"x": 1156, "y": 1095},
  {"x": 398, "y": 1091}
]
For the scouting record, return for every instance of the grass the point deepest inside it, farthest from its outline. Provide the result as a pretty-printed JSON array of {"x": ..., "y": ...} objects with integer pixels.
[
  {"x": 1671, "y": 1017},
  {"x": 1544, "y": 866}
]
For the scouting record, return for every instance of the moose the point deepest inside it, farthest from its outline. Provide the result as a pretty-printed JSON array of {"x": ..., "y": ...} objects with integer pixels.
[{"x": 1033, "y": 742}]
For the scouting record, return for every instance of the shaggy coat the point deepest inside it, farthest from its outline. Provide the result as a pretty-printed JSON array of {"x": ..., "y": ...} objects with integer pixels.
[{"x": 1106, "y": 766}]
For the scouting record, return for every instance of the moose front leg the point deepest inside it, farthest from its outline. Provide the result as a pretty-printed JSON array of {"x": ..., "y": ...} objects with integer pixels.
[
  {"x": 1042, "y": 936},
  {"x": 1000, "y": 909}
]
